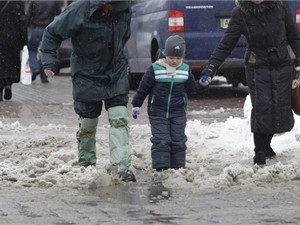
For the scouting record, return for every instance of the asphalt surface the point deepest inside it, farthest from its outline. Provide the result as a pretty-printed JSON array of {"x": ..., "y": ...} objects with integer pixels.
[
  {"x": 42, "y": 103},
  {"x": 129, "y": 203}
]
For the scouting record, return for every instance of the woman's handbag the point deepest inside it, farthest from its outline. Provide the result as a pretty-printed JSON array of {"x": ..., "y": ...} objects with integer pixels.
[
  {"x": 25, "y": 69},
  {"x": 296, "y": 95},
  {"x": 295, "y": 87}
]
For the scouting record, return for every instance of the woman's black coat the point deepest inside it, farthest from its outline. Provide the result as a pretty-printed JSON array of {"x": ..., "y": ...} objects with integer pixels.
[
  {"x": 13, "y": 37},
  {"x": 269, "y": 29}
]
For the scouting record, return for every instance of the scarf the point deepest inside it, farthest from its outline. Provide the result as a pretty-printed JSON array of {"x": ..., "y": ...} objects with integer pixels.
[{"x": 170, "y": 69}]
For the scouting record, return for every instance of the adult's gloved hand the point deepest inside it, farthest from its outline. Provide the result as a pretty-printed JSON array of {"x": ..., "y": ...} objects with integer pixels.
[
  {"x": 209, "y": 70},
  {"x": 135, "y": 112}
]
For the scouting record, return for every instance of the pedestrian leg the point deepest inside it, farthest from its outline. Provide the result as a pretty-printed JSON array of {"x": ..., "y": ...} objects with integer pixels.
[
  {"x": 269, "y": 151},
  {"x": 260, "y": 141},
  {"x": 161, "y": 143},
  {"x": 86, "y": 137},
  {"x": 178, "y": 142}
]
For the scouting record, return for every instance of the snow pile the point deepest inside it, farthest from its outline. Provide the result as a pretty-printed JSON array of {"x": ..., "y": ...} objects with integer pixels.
[{"x": 219, "y": 155}]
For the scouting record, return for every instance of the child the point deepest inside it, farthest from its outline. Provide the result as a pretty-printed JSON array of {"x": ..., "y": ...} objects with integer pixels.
[{"x": 167, "y": 82}]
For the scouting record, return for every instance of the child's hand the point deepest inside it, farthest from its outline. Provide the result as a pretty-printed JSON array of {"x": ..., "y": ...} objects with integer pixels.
[
  {"x": 135, "y": 112},
  {"x": 205, "y": 80}
]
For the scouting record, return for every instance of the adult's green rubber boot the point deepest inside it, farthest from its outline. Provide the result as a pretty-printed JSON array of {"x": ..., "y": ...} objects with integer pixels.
[
  {"x": 86, "y": 137},
  {"x": 120, "y": 154}
]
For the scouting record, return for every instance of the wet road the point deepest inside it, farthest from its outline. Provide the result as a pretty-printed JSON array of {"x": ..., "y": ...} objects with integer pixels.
[
  {"x": 145, "y": 202},
  {"x": 130, "y": 205},
  {"x": 43, "y": 103}
]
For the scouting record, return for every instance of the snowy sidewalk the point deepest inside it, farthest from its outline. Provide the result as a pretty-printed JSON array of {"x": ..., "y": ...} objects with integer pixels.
[{"x": 41, "y": 183}]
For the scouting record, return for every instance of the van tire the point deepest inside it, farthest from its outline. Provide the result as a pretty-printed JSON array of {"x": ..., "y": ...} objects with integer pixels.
[{"x": 155, "y": 51}]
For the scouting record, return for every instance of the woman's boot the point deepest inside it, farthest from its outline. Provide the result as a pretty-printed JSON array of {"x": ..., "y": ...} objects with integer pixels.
[
  {"x": 7, "y": 92},
  {"x": 269, "y": 151},
  {"x": 260, "y": 141}
]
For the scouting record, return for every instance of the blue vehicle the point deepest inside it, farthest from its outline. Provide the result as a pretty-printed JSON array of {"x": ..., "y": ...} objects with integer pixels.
[
  {"x": 295, "y": 10},
  {"x": 200, "y": 23}
]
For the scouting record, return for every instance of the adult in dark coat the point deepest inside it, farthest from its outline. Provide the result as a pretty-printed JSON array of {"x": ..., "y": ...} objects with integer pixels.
[
  {"x": 269, "y": 29},
  {"x": 13, "y": 37},
  {"x": 99, "y": 31}
]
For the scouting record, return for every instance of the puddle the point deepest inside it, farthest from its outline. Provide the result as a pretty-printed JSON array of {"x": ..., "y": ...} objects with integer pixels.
[{"x": 133, "y": 194}]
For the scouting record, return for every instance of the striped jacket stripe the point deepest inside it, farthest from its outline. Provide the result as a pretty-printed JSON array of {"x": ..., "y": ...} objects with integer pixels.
[{"x": 181, "y": 76}]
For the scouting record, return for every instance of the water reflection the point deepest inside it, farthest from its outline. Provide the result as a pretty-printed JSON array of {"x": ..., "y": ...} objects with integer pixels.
[{"x": 134, "y": 194}]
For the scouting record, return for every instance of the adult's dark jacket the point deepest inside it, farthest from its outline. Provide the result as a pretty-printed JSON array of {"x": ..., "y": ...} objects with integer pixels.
[
  {"x": 98, "y": 62},
  {"x": 13, "y": 36},
  {"x": 42, "y": 13},
  {"x": 269, "y": 29}
]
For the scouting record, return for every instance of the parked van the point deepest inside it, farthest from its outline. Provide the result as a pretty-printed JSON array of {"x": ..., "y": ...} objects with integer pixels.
[
  {"x": 295, "y": 10},
  {"x": 200, "y": 23}
]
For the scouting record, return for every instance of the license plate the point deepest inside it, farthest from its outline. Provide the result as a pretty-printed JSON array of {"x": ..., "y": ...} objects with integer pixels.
[{"x": 224, "y": 23}]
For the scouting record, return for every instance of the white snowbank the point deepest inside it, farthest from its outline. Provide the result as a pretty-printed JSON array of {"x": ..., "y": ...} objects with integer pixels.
[{"x": 219, "y": 155}]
